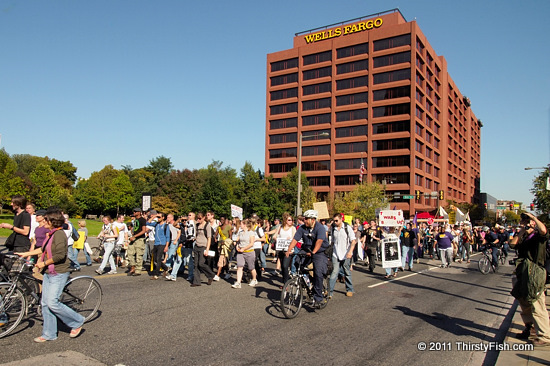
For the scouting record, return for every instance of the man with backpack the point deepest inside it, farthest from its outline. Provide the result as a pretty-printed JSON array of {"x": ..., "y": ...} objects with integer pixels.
[
  {"x": 343, "y": 242},
  {"x": 161, "y": 244}
]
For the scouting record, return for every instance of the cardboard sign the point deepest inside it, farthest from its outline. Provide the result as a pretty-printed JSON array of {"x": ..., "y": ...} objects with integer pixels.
[
  {"x": 391, "y": 218},
  {"x": 322, "y": 210},
  {"x": 282, "y": 244},
  {"x": 237, "y": 211}
]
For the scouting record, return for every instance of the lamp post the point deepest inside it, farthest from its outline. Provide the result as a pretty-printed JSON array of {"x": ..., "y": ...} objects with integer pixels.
[{"x": 301, "y": 136}]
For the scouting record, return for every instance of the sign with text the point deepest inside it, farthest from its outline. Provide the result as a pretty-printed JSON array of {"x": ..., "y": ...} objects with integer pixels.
[
  {"x": 391, "y": 218},
  {"x": 391, "y": 252},
  {"x": 237, "y": 211},
  {"x": 282, "y": 244}
]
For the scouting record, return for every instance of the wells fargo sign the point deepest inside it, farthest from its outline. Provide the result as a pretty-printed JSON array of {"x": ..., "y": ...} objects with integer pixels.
[{"x": 347, "y": 29}]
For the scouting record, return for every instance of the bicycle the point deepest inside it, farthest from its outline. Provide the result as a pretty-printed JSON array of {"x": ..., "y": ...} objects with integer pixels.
[
  {"x": 485, "y": 263},
  {"x": 22, "y": 294},
  {"x": 292, "y": 297}
]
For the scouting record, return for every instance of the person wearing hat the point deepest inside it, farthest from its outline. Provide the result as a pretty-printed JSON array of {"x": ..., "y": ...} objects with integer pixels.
[
  {"x": 136, "y": 244},
  {"x": 491, "y": 240},
  {"x": 314, "y": 237}
]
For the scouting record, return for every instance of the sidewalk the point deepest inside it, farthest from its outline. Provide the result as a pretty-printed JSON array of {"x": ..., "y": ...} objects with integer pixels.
[{"x": 538, "y": 356}]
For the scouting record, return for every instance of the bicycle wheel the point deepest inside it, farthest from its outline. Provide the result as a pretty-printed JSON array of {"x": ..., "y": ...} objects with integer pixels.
[
  {"x": 12, "y": 308},
  {"x": 484, "y": 265},
  {"x": 83, "y": 294},
  {"x": 292, "y": 298}
]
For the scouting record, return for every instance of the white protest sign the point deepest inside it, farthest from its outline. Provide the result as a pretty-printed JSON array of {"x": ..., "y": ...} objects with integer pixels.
[
  {"x": 391, "y": 218},
  {"x": 391, "y": 252},
  {"x": 282, "y": 244},
  {"x": 237, "y": 211}
]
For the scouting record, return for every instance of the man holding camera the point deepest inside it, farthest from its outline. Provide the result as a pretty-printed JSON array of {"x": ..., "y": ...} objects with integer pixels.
[{"x": 530, "y": 244}]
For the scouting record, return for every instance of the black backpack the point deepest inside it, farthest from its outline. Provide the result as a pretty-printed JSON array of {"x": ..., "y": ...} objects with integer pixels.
[{"x": 330, "y": 249}]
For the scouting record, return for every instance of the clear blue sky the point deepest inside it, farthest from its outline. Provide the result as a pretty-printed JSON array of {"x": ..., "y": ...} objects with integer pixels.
[{"x": 121, "y": 82}]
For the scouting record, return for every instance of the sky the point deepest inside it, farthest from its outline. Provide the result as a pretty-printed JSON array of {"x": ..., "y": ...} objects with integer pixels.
[{"x": 122, "y": 82}]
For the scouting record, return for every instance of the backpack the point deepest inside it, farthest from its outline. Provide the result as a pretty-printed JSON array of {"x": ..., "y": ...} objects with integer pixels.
[
  {"x": 330, "y": 248},
  {"x": 74, "y": 234}
]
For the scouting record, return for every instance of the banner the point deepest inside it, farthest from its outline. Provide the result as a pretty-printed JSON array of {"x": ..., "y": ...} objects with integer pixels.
[
  {"x": 282, "y": 244},
  {"x": 391, "y": 218},
  {"x": 391, "y": 252},
  {"x": 237, "y": 211}
]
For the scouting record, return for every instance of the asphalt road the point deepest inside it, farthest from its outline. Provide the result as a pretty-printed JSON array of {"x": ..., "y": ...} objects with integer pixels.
[{"x": 144, "y": 322}]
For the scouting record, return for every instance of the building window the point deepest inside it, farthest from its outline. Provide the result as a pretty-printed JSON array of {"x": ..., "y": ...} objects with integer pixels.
[
  {"x": 419, "y": 46},
  {"x": 392, "y": 178},
  {"x": 384, "y": 44},
  {"x": 393, "y": 144},
  {"x": 282, "y": 153},
  {"x": 281, "y": 168},
  {"x": 352, "y": 67},
  {"x": 317, "y": 58},
  {"x": 346, "y": 180},
  {"x": 436, "y": 128},
  {"x": 428, "y": 168},
  {"x": 283, "y": 138},
  {"x": 419, "y": 96},
  {"x": 358, "y": 49},
  {"x": 418, "y": 180},
  {"x": 316, "y": 150},
  {"x": 391, "y": 93},
  {"x": 390, "y": 127},
  {"x": 317, "y": 88},
  {"x": 428, "y": 137},
  {"x": 351, "y": 115},
  {"x": 418, "y": 146},
  {"x": 436, "y": 143},
  {"x": 387, "y": 77},
  {"x": 418, "y": 163},
  {"x": 436, "y": 172},
  {"x": 436, "y": 157},
  {"x": 418, "y": 129},
  {"x": 316, "y": 165},
  {"x": 285, "y": 64},
  {"x": 347, "y": 164},
  {"x": 391, "y": 110},
  {"x": 352, "y": 99},
  {"x": 283, "y": 123},
  {"x": 283, "y": 108},
  {"x": 393, "y": 59},
  {"x": 317, "y": 73},
  {"x": 284, "y": 79},
  {"x": 428, "y": 152},
  {"x": 391, "y": 161},
  {"x": 351, "y": 147},
  {"x": 428, "y": 121},
  {"x": 317, "y": 119},
  {"x": 318, "y": 181},
  {"x": 351, "y": 131},
  {"x": 316, "y": 135},
  {"x": 352, "y": 83},
  {"x": 316, "y": 104},
  {"x": 283, "y": 94},
  {"x": 428, "y": 183}
]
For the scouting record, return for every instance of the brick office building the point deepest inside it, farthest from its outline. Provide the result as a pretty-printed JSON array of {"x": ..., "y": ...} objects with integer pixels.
[{"x": 372, "y": 90}]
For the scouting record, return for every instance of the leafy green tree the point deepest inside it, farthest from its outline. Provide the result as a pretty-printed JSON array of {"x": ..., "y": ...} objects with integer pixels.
[
  {"x": 362, "y": 201},
  {"x": 289, "y": 192},
  {"x": 164, "y": 204},
  {"x": 248, "y": 189},
  {"x": 142, "y": 182},
  {"x": 159, "y": 167},
  {"x": 182, "y": 188},
  {"x": 10, "y": 183},
  {"x": 271, "y": 205},
  {"x": 214, "y": 194},
  {"x": 541, "y": 192},
  {"x": 45, "y": 190},
  {"x": 120, "y": 194}
]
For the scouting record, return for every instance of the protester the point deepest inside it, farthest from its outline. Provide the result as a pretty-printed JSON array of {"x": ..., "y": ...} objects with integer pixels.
[
  {"x": 108, "y": 236},
  {"x": 136, "y": 245},
  {"x": 245, "y": 253},
  {"x": 19, "y": 240},
  {"x": 343, "y": 240},
  {"x": 201, "y": 251}
]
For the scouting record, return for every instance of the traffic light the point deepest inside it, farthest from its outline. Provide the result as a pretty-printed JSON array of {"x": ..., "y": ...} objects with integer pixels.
[
  {"x": 511, "y": 206},
  {"x": 485, "y": 204},
  {"x": 532, "y": 207},
  {"x": 441, "y": 194},
  {"x": 417, "y": 193}
]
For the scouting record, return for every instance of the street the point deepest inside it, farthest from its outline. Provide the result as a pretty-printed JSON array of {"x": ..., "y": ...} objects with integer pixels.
[{"x": 144, "y": 322}]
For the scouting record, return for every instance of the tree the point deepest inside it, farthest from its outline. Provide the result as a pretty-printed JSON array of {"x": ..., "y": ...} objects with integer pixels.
[
  {"x": 164, "y": 204},
  {"x": 182, "y": 188},
  {"x": 214, "y": 195},
  {"x": 289, "y": 192},
  {"x": 362, "y": 201},
  {"x": 45, "y": 190},
  {"x": 10, "y": 183},
  {"x": 159, "y": 167},
  {"x": 120, "y": 193},
  {"x": 542, "y": 196},
  {"x": 248, "y": 189}
]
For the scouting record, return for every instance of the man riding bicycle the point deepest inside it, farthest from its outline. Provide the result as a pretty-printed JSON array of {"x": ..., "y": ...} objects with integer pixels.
[
  {"x": 491, "y": 241},
  {"x": 314, "y": 237}
]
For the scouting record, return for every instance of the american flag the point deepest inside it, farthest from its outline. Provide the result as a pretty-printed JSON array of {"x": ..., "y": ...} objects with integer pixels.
[{"x": 361, "y": 171}]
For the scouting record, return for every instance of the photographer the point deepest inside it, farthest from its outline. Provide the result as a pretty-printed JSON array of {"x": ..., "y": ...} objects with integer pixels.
[{"x": 530, "y": 245}]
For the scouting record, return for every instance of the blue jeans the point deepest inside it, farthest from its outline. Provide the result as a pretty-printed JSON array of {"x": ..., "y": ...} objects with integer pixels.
[
  {"x": 170, "y": 258},
  {"x": 72, "y": 257},
  {"x": 407, "y": 252},
  {"x": 263, "y": 254},
  {"x": 176, "y": 261},
  {"x": 52, "y": 309},
  {"x": 188, "y": 261},
  {"x": 345, "y": 264},
  {"x": 88, "y": 259}
]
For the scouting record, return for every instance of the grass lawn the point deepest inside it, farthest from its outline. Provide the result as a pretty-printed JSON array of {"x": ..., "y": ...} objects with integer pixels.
[{"x": 94, "y": 227}]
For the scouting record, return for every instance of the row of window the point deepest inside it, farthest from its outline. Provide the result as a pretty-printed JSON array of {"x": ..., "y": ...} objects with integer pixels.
[
  {"x": 359, "y": 49},
  {"x": 377, "y": 128},
  {"x": 382, "y": 94},
  {"x": 382, "y": 111}
]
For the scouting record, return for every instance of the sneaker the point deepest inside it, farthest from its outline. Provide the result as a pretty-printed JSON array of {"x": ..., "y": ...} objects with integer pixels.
[
  {"x": 99, "y": 271},
  {"x": 236, "y": 285},
  {"x": 276, "y": 273},
  {"x": 227, "y": 276},
  {"x": 349, "y": 294},
  {"x": 253, "y": 283},
  {"x": 170, "y": 278},
  {"x": 540, "y": 343},
  {"x": 112, "y": 272},
  {"x": 216, "y": 278}
]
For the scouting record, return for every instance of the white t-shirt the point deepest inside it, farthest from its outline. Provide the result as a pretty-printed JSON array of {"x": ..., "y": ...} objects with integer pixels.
[
  {"x": 122, "y": 229},
  {"x": 173, "y": 232},
  {"x": 342, "y": 242},
  {"x": 34, "y": 225},
  {"x": 259, "y": 232}
]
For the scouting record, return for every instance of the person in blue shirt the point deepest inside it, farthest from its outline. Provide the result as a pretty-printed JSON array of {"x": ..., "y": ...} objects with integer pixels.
[
  {"x": 314, "y": 237},
  {"x": 444, "y": 241},
  {"x": 161, "y": 244},
  {"x": 491, "y": 240}
]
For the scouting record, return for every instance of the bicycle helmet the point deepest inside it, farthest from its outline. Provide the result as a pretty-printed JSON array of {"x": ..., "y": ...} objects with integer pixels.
[
  {"x": 311, "y": 214},
  {"x": 485, "y": 228}
]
